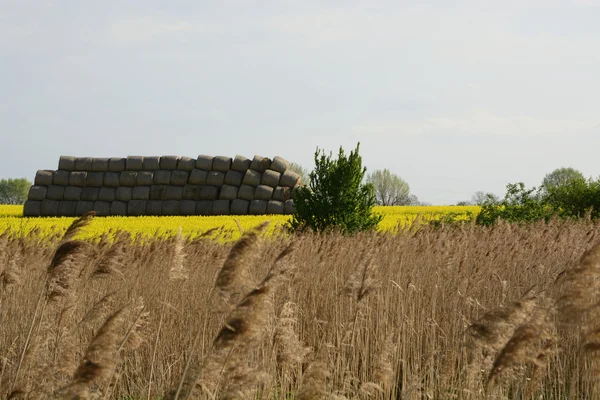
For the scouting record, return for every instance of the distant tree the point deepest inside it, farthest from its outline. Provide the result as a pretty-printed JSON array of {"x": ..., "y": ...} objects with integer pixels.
[
  {"x": 14, "y": 191},
  {"x": 390, "y": 189},
  {"x": 300, "y": 170},
  {"x": 560, "y": 177},
  {"x": 481, "y": 197}
]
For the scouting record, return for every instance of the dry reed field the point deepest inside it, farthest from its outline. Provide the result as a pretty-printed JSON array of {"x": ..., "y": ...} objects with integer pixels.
[{"x": 507, "y": 312}]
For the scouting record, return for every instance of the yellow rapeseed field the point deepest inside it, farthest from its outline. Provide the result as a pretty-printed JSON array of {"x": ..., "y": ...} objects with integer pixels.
[{"x": 226, "y": 228}]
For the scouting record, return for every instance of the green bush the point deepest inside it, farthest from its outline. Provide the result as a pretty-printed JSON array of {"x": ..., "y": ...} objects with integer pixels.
[
  {"x": 336, "y": 198},
  {"x": 575, "y": 199}
]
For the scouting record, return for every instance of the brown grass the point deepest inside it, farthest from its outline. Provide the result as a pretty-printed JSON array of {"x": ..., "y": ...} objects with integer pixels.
[{"x": 502, "y": 312}]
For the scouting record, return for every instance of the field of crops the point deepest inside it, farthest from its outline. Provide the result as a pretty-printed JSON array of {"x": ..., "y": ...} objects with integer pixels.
[{"x": 227, "y": 228}]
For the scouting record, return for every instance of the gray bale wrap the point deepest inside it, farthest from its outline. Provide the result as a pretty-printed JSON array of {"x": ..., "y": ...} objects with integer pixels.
[
  {"x": 154, "y": 207},
  {"x": 90, "y": 193},
  {"x": 43, "y": 178},
  {"x": 151, "y": 163},
  {"x": 186, "y": 164},
  {"x": 263, "y": 192},
  {"x": 289, "y": 178},
  {"x": 102, "y": 208},
  {"x": 66, "y": 163},
  {"x": 239, "y": 207},
  {"x": 77, "y": 178},
  {"x": 83, "y": 207},
  {"x": 124, "y": 193},
  {"x": 296, "y": 188},
  {"x": 61, "y": 178},
  {"x": 204, "y": 162},
  {"x": 204, "y": 207},
  {"x": 141, "y": 193},
  {"x": 241, "y": 164},
  {"x": 191, "y": 192},
  {"x": 83, "y": 164},
  {"x": 234, "y": 178},
  {"x": 128, "y": 178},
  {"x": 37, "y": 193},
  {"x": 145, "y": 178},
  {"x": 228, "y": 192},
  {"x": 246, "y": 192},
  {"x": 289, "y": 207},
  {"x": 32, "y": 208},
  {"x": 179, "y": 178},
  {"x": 171, "y": 207},
  {"x": 270, "y": 178},
  {"x": 100, "y": 165},
  {"x": 220, "y": 207},
  {"x": 136, "y": 208},
  {"x": 198, "y": 177},
  {"x": 67, "y": 208},
  {"x": 116, "y": 164},
  {"x": 221, "y": 163},
  {"x": 158, "y": 192},
  {"x": 55, "y": 192},
  {"x": 49, "y": 208},
  {"x": 260, "y": 163},
  {"x": 72, "y": 193},
  {"x": 258, "y": 207},
  {"x": 252, "y": 178},
  {"x": 94, "y": 179},
  {"x": 282, "y": 193},
  {"x": 111, "y": 179},
  {"x": 209, "y": 192},
  {"x": 106, "y": 194},
  {"x": 174, "y": 193},
  {"x": 169, "y": 163},
  {"x": 162, "y": 177},
  {"x": 187, "y": 207},
  {"x": 275, "y": 207},
  {"x": 134, "y": 163},
  {"x": 280, "y": 164},
  {"x": 215, "y": 178},
  {"x": 118, "y": 208}
]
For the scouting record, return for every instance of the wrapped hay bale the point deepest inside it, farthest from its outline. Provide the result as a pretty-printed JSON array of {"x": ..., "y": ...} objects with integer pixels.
[
  {"x": 102, "y": 208},
  {"x": 282, "y": 193},
  {"x": 128, "y": 178},
  {"x": 204, "y": 162},
  {"x": 209, "y": 192},
  {"x": 228, "y": 192},
  {"x": 94, "y": 179},
  {"x": 77, "y": 178},
  {"x": 100, "y": 165},
  {"x": 263, "y": 192},
  {"x": 179, "y": 178},
  {"x": 55, "y": 192},
  {"x": 67, "y": 208},
  {"x": 174, "y": 193},
  {"x": 296, "y": 188},
  {"x": 83, "y": 164},
  {"x": 251, "y": 177},
  {"x": 220, "y": 207},
  {"x": 171, "y": 207},
  {"x": 116, "y": 164},
  {"x": 162, "y": 177},
  {"x": 191, "y": 192},
  {"x": 37, "y": 193},
  {"x": 151, "y": 163},
  {"x": 106, "y": 194},
  {"x": 186, "y": 164},
  {"x": 204, "y": 207},
  {"x": 90, "y": 193},
  {"x": 134, "y": 163},
  {"x": 61, "y": 178},
  {"x": 136, "y": 208},
  {"x": 32, "y": 208},
  {"x": 198, "y": 177},
  {"x": 49, "y": 208},
  {"x": 154, "y": 207},
  {"x": 158, "y": 192},
  {"x": 241, "y": 164},
  {"x": 141, "y": 193},
  {"x": 187, "y": 207},
  {"x": 118, "y": 208},
  {"x": 289, "y": 207},
  {"x": 145, "y": 178},
  {"x": 275, "y": 207},
  {"x": 239, "y": 207},
  {"x": 258, "y": 207},
  {"x": 83, "y": 207},
  {"x": 246, "y": 192},
  {"x": 72, "y": 193},
  {"x": 112, "y": 179},
  {"x": 43, "y": 178},
  {"x": 215, "y": 178},
  {"x": 66, "y": 163},
  {"x": 222, "y": 164},
  {"x": 270, "y": 178},
  {"x": 280, "y": 164},
  {"x": 233, "y": 178},
  {"x": 124, "y": 194},
  {"x": 260, "y": 163},
  {"x": 289, "y": 179},
  {"x": 169, "y": 163}
]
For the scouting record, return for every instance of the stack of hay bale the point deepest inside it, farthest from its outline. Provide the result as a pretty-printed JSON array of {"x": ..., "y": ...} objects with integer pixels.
[{"x": 167, "y": 185}]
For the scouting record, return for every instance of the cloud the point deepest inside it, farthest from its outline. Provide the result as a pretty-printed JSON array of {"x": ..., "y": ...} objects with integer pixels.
[{"x": 129, "y": 30}]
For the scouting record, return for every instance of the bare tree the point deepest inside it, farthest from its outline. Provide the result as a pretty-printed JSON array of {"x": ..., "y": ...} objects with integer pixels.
[
  {"x": 300, "y": 170},
  {"x": 390, "y": 189},
  {"x": 481, "y": 197}
]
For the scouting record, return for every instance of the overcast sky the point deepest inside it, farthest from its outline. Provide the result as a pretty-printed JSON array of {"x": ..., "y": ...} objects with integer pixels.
[{"x": 453, "y": 96}]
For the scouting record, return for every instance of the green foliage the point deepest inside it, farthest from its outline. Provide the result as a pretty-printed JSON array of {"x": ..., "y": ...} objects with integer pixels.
[
  {"x": 14, "y": 191},
  {"x": 560, "y": 177},
  {"x": 575, "y": 198},
  {"x": 390, "y": 189},
  {"x": 519, "y": 205},
  {"x": 336, "y": 198}
]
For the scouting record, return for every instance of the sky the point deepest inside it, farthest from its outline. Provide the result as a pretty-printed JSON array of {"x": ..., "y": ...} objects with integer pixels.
[{"x": 453, "y": 96}]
